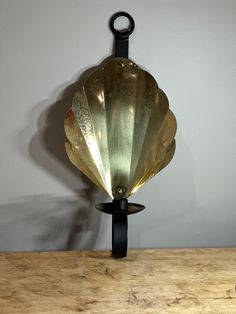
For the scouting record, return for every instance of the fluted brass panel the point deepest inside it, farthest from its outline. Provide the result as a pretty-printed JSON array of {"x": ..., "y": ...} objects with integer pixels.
[{"x": 120, "y": 129}]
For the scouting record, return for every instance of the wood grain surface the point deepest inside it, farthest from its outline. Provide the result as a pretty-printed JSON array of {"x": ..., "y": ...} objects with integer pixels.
[{"x": 147, "y": 281}]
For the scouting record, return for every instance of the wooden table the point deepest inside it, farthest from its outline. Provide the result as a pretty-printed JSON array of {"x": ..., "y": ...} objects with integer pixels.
[{"x": 147, "y": 281}]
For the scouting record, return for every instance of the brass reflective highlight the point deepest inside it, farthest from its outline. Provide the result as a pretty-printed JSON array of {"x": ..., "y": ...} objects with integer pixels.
[{"x": 120, "y": 129}]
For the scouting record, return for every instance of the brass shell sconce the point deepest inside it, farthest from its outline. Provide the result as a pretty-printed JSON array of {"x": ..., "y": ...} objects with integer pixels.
[{"x": 120, "y": 132}]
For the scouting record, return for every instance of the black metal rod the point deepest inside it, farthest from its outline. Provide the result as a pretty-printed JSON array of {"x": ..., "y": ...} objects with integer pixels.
[
  {"x": 119, "y": 228},
  {"x": 119, "y": 235},
  {"x": 122, "y": 48}
]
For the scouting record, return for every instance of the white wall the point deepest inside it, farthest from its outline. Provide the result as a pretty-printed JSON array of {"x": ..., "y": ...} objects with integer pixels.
[{"x": 190, "y": 48}]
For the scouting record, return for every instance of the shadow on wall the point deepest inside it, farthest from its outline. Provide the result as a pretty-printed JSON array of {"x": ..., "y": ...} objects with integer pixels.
[
  {"x": 43, "y": 222},
  {"x": 52, "y": 222}
]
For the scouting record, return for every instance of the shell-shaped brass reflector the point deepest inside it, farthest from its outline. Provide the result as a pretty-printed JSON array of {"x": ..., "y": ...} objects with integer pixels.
[{"x": 120, "y": 129}]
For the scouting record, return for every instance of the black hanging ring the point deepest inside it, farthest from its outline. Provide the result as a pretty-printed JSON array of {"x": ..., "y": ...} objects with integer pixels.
[{"x": 122, "y": 33}]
